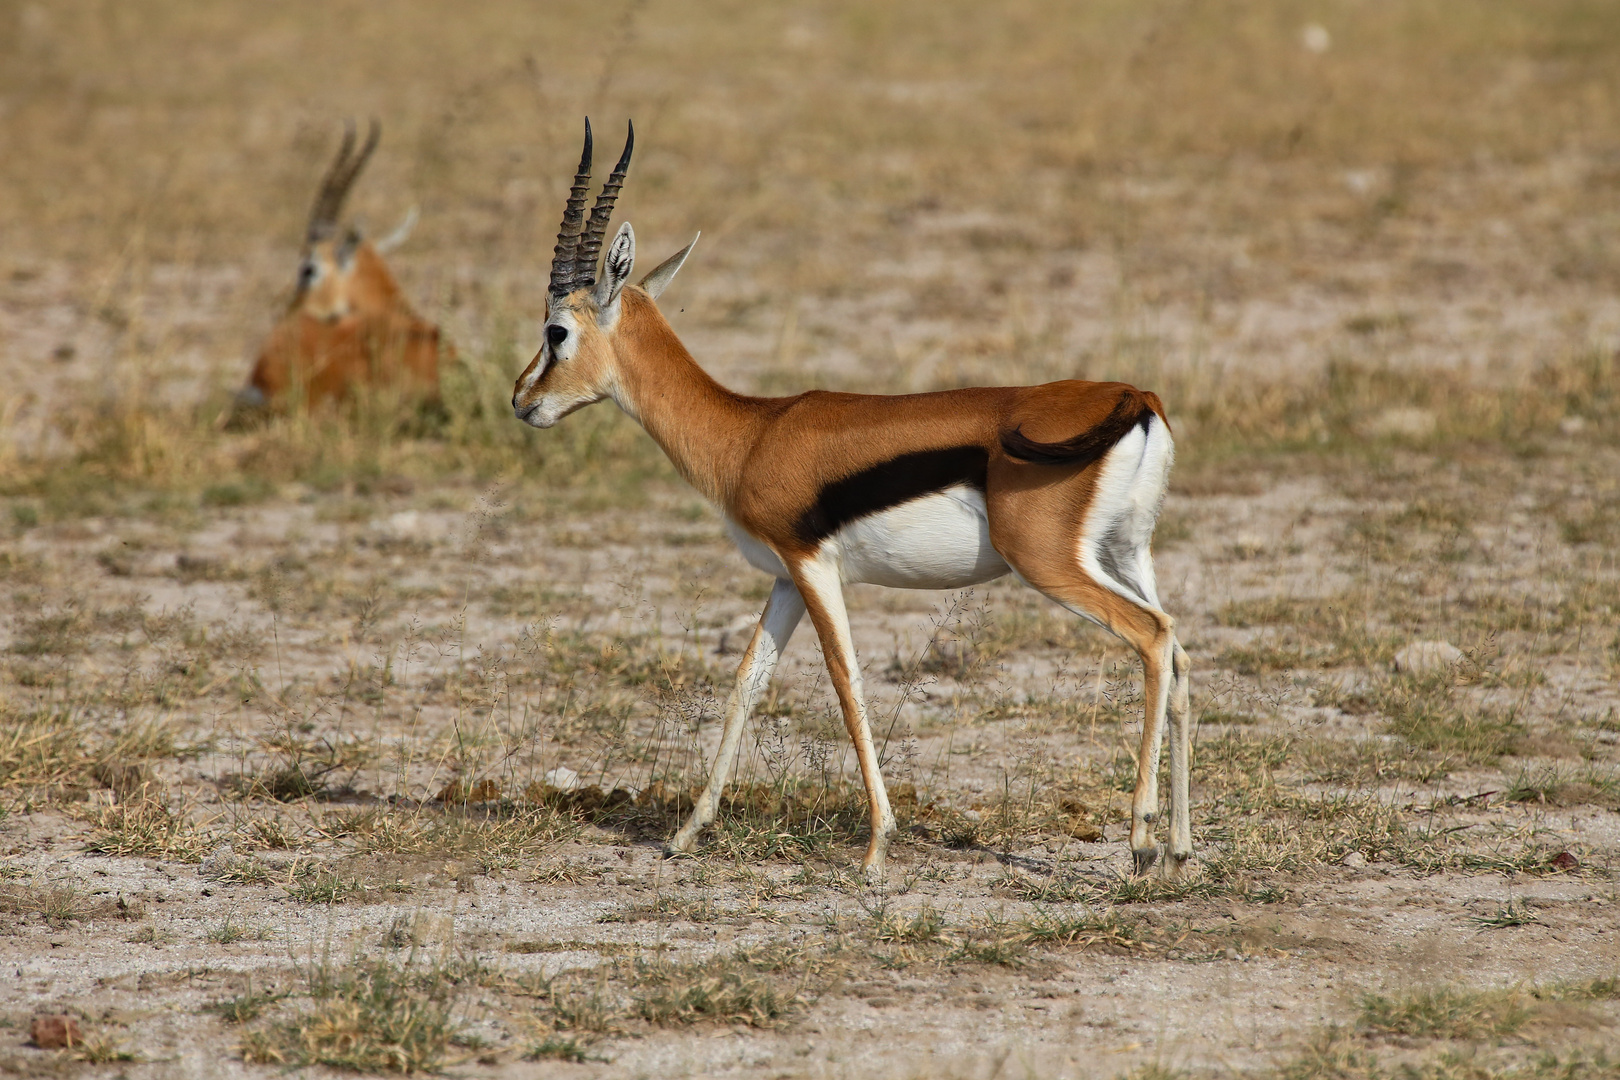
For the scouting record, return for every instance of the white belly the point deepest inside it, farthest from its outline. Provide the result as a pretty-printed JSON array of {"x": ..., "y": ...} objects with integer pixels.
[
  {"x": 756, "y": 551},
  {"x": 936, "y": 542}
]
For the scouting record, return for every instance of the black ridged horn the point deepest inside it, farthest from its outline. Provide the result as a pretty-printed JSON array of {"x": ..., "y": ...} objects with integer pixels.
[
  {"x": 590, "y": 245},
  {"x": 565, "y": 258},
  {"x": 339, "y": 178}
]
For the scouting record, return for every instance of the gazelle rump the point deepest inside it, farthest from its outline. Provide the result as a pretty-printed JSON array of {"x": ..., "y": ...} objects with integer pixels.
[
  {"x": 349, "y": 323},
  {"x": 1059, "y": 484}
]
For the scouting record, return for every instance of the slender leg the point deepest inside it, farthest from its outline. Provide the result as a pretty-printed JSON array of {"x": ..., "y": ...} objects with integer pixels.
[
  {"x": 1180, "y": 763},
  {"x": 781, "y": 616},
  {"x": 823, "y": 592},
  {"x": 1156, "y": 688},
  {"x": 1152, "y": 634},
  {"x": 1087, "y": 544}
]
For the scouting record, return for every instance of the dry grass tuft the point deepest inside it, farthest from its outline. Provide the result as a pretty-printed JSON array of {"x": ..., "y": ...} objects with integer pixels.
[
  {"x": 245, "y": 1007},
  {"x": 744, "y": 987},
  {"x": 1446, "y": 1012},
  {"x": 311, "y": 882},
  {"x": 501, "y": 839},
  {"x": 40, "y": 749},
  {"x": 1107, "y": 931},
  {"x": 147, "y": 827},
  {"x": 371, "y": 1015},
  {"x": 1431, "y": 715},
  {"x": 718, "y": 992},
  {"x": 59, "y": 903},
  {"x": 558, "y": 1048},
  {"x": 233, "y": 928}
]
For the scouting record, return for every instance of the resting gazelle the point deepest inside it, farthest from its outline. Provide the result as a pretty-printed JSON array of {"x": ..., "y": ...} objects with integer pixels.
[
  {"x": 1058, "y": 484},
  {"x": 349, "y": 323}
]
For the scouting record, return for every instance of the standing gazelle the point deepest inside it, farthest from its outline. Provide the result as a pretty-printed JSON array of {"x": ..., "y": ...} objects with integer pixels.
[
  {"x": 1059, "y": 484},
  {"x": 348, "y": 324}
]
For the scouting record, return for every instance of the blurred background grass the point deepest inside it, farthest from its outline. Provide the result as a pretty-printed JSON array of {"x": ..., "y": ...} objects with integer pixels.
[{"x": 1286, "y": 216}]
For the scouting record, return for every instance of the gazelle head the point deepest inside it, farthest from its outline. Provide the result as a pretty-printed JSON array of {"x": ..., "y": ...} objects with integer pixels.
[
  {"x": 339, "y": 271},
  {"x": 579, "y": 351}
]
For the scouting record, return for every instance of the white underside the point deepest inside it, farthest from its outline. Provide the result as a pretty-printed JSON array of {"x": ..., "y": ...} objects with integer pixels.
[
  {"x": 939, "y": 541},
  {"x": 755, "y": 551},
  {"x": 942, "y": 541}
]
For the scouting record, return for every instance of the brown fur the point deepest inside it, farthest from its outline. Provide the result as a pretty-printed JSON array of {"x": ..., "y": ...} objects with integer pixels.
[
  {"x": 765, "y": 461},
  {"x": 325, "y": 360},
  {"x": 352, "y": 327}
]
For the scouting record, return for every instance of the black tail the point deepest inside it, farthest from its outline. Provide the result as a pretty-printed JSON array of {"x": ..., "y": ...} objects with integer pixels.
[{"x": 1086, "y": 447}]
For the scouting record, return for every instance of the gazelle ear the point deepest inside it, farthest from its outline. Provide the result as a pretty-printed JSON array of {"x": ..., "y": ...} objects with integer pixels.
[
  {"x": 400, "y": 234},
  {"x": 661, "y": 275},
  {"x": 616, "y": 267}
]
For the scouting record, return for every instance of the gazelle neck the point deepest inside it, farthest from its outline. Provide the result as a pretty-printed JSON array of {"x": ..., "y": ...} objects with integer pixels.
[
  {"x": 373, "y": 283},
  {"x": 704, "y": 429}
]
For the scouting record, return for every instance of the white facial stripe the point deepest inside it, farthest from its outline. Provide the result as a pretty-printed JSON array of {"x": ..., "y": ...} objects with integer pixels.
[
  {"x": 551, "y": 355},
  {"x": 533, "y": 377}
]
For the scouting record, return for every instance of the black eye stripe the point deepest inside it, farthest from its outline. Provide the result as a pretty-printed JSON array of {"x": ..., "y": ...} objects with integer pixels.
[{"x": 556, "y": 334}]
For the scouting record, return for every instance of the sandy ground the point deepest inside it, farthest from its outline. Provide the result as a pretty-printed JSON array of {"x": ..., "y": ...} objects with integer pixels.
[{"x": 297, "y": 596}]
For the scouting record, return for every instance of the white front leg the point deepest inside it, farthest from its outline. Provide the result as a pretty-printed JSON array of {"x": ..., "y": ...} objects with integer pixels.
[{"x": 776, "y": 625}]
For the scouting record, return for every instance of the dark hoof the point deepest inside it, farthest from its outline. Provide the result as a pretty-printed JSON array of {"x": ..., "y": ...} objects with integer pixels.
[{"x": 1144, "y": 859}]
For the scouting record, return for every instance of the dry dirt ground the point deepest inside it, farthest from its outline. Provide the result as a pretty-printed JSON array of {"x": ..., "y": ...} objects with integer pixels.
[
  {"x": 350, "y": 742},
  {"x": 255, "y": 750}
]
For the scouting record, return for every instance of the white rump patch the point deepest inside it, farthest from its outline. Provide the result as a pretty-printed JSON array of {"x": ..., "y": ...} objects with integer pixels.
[{"x": 1116, "y": 546}]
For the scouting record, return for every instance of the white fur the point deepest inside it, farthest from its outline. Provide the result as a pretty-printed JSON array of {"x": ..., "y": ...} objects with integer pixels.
[
  {"x": 550, "y": 408},
  {"x": 939, "y": 541},
  {"x": 617, "y": 266},
  {"x": 755, "y": 551},
  {"x": 782, "y": 614},
  {"x": 1116, "y": 543}
]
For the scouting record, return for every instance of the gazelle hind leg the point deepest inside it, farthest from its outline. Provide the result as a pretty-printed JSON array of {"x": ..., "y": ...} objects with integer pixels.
[
  {"x": 823, "y": 591},
  {"x": 1157, "y": 683},
  {"x": 1151, "y": 633},
  {"x": 776, "y": 625},
  {"x": 1101, "y": 567},
  {"x": 1180, "y": 763}
]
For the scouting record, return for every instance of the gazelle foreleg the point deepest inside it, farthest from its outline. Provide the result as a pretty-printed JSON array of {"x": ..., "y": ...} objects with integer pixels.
[
  {"x": 823, "y": 591},
  {"x": 776, "y": 625},
  {"x": 1180, "y": 762}
]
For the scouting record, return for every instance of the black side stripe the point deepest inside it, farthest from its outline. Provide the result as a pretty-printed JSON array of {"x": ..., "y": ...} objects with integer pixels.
[
  {"x": 1086, "y": 447},
  {"x": 890, "y": 483}
]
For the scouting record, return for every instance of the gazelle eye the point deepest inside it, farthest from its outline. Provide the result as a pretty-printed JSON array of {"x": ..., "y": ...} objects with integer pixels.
[{"x": 556, "y": 335}]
